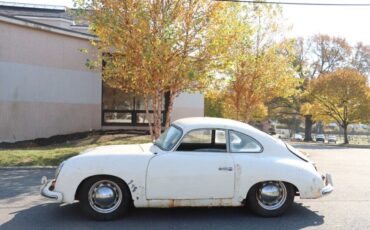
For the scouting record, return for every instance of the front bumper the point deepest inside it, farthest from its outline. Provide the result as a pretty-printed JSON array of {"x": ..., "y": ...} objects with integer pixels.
[
  {"x": 328, "y": 185},
  {"x": 47, "y": 190}
]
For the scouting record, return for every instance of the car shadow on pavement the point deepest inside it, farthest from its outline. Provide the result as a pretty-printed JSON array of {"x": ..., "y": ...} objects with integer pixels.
[{"x": 55, "y": 216}]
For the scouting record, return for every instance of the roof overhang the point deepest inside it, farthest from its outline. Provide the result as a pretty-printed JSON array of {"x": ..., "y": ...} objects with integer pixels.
[
  {"x": 45, "y": 27},
  {"x": 33, "y": 6}
]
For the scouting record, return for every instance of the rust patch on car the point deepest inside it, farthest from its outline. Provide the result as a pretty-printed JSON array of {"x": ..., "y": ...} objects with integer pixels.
[
  {"x": 132, "y": 186},
  {"x": 174, "y": 203}
]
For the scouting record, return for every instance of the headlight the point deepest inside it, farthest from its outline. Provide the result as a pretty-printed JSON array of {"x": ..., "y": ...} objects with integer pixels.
[{"x": 58, "y": 169}]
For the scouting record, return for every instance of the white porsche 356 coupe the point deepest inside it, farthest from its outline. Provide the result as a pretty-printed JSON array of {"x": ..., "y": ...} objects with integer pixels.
[{"x": 195, "y": 162}]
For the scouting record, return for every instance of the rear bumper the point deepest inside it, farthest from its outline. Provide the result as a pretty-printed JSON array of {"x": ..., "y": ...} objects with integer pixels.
[
  {"x": 47, "y": 190},
  {"x": 328, "y": 185}
]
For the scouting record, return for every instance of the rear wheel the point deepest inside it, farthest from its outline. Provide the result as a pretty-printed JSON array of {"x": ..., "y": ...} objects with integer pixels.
[
  {"x": 270, "y": 198},
  {"x": 105, "y": 198}
]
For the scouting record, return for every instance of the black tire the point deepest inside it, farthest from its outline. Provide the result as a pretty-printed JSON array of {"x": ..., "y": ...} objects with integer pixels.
[
  {"x": 256, "y": 207},
  {"x": 120, "y": 209}
]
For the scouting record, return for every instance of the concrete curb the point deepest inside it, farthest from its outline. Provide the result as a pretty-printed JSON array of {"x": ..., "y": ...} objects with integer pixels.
[{"x": 27, "y": 167}]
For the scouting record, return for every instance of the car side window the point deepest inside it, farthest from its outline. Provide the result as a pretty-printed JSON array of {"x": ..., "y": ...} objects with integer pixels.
[
  {"x": 204, "y": 140},
  {"x": 241, "y": 143},
  {"x": 200, "y": 136}
]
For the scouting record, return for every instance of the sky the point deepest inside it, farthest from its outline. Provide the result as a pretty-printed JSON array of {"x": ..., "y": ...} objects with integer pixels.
[{"x": 351, "y": 23}]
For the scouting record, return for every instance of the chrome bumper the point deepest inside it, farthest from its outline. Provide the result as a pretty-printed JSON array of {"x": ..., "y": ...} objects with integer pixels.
[
  {"x": 328, "y": 185},
  {"x": 46, "y": 190}
]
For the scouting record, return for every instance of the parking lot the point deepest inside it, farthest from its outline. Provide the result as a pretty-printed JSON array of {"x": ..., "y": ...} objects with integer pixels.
[{"x": 348, "y": 207}]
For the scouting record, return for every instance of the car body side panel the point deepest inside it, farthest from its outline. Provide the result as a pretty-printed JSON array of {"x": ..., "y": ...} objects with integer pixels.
[
  {"x": 131, "y": 164},
  {"x": 190, "y": 175},
  {"x": 249, "y": 169},
  {"x": 130, "y": 168},
  {"x": 254, "y": 168}
]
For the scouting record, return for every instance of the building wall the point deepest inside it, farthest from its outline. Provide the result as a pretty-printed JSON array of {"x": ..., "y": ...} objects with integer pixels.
[
  {"x": 45, "y": 88},
  {"x": 188, "y": 105}
]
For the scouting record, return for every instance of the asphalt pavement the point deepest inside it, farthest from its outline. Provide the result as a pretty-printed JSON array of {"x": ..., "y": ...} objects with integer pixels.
[{"x": 348, "y": 207}]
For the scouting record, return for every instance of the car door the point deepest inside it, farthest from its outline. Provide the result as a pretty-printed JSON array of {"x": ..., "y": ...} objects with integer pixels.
[{"x": 200, "y": 168}]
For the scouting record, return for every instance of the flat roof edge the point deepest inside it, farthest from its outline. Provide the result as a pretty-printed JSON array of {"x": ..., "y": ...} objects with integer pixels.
[
  {"x": 32, "y": 6},
  {"x": 46, "y": 27}
]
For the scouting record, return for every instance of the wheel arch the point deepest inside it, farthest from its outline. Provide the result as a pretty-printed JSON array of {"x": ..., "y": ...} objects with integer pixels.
[
  {"x": 296, "y": 191},
  {"x": 77, "y": 192}
]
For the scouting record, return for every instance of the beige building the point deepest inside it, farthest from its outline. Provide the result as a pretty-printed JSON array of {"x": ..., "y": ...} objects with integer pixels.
[{"x": 46, "y": 88}]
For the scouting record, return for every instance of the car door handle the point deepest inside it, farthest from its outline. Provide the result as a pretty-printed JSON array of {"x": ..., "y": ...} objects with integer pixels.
[{"x": 225, "y": 168}]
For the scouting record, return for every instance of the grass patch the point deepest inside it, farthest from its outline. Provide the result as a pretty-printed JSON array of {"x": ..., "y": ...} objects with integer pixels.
[{"x": 55, "y": 154}]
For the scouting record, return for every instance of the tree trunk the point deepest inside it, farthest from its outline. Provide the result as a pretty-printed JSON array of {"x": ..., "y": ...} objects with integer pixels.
[
  {"x": 169, "y": 109},
  {"x": 157, "y": 112},
  {"x": 308, "y": 128},
  {"x": 345, "y": 126},
  {"x": 150, "y": 122},
  {"x": 155, "y": 125}
]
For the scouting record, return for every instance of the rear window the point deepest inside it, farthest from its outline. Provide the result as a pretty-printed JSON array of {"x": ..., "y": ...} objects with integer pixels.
[{"x": 241, "y": 143}]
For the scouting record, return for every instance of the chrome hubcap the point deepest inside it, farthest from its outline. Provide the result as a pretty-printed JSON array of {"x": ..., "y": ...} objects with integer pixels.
[
  {"x": 271, "y": 195},
  {"x": 105, "y": 196}
]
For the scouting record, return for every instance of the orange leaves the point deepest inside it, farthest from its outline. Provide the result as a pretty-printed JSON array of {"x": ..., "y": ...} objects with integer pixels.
[
  {"x": 159, "y": 46},
  {"x": 342, "y": 96},
  {"x": 257, "y": 68}
]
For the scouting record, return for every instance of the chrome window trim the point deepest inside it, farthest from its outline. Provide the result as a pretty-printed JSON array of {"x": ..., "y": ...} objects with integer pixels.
[
  {"x": 226, "y": 139},
  {"x": 181, "y": 135}
]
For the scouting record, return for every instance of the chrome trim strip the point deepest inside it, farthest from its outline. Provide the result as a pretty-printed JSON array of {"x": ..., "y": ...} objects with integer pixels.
[
  {"x": 45, "y": 190},
  {"x": 328, "y": 185}
]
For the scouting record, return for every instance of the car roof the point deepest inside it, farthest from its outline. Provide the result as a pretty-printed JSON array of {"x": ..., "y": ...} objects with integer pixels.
[
  {"x": 211, "y": 122},
  {"x": 269, "y": 143}
]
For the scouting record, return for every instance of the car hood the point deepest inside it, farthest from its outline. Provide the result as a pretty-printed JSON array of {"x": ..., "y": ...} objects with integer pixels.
[{"x": 134, "y": 149}]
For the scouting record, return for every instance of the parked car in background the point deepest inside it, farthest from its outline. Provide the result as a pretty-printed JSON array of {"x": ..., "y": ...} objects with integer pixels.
[
  {"x": 297, "y": 137},
  {"x": 332, "y": 139},
  {"x": 196, "y": 162},
  {"x": 320, "y": 138}
]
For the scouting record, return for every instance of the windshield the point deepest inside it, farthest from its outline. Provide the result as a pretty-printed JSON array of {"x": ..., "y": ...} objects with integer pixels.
[{"x": 169, "y": 138}]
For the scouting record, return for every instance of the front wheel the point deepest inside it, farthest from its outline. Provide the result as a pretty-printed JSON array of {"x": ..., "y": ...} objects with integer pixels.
[
  {"x": 270, "y": 198},
  {"x": 105, "y": 198}
]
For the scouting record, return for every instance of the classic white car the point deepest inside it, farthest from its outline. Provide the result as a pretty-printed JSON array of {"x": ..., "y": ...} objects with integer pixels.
[{"x": 195, "y": 162}]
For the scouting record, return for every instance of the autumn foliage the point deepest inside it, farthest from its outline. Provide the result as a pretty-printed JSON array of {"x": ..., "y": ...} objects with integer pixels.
[
  {"x": 342, "y": 96},
  {"x": 156, "y": 47},
  {"x": 235, "y": 53},
  {"x": 259, "y": 65}
]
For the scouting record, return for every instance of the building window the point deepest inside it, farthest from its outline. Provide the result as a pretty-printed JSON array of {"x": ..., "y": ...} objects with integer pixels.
[{"x": 119, "y": 108}]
